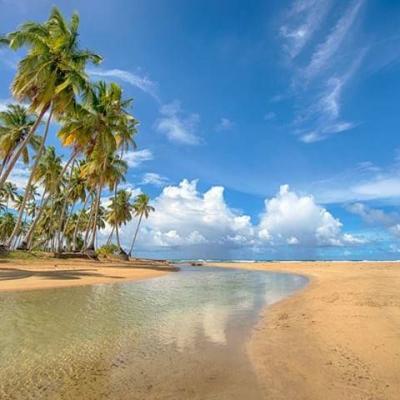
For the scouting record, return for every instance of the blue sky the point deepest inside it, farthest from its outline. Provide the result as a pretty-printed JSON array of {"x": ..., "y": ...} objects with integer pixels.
[{"x": 250, "y": 98}]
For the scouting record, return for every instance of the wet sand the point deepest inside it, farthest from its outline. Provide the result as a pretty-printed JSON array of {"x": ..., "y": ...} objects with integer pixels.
[
  {"x": 54, "y": 273},
  {"x": 337, "y": 339}
]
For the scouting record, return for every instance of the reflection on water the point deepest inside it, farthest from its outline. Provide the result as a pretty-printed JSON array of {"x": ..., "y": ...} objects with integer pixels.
[{"x": 178, "y": 336}]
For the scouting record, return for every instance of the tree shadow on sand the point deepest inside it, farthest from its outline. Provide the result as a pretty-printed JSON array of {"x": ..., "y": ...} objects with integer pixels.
[{"x": 16, "y": 273}]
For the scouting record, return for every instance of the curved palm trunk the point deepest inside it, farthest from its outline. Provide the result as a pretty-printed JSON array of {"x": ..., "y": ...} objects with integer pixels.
[
  {"x": 96, "y": 213},
  {"x": 4, "y": 162},
  {"x": 28, "y": 188},
  {"x": 21, "y": 147},
  {"x": 89, "y": 223},
  {"x": 110, "y": 236},
  {"x": 75, "y": 235},
  {"x": 134, "y": 238},
  {"x": 62, "y": 229},
  {"x": 29, "y": 235}
]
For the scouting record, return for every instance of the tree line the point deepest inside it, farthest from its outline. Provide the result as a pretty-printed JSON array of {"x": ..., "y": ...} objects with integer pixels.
[{"x": 60, "y": 207}]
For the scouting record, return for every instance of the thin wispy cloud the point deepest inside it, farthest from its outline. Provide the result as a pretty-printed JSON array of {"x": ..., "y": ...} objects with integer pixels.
[
  {"x": 177, "y": 126},
  {"x": 302, "y": 21},
  {"x": 324, "y": 115},
  {"x": 318, "y": 89},
  {"x": 224, "y": 124},
  {"x": 324, "y": 52},
  {"x": 136, "y": 157},
  {"x": 152, "y": 178},
  {"x": 142, "y": 82}
]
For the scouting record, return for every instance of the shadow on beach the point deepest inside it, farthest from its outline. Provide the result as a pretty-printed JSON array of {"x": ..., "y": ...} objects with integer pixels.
[{"x": 17, "y": 273}]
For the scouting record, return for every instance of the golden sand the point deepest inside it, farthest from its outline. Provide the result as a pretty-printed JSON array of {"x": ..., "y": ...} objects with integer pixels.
[
  {"x": 54, "y": 273},
  {"x": 337, "y": 339}
]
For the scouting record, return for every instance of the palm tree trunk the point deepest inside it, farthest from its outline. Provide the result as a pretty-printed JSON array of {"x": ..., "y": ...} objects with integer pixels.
[
  {"x": 134, "y": 238},
  {"x": 110, "y": 236},
  {"x": 89, "y": 223},
  {"x": 21, "y": 147},
  {"x": 28, "y": 238},
  {"x": 117, "y": 235},
  {"x": 96, "y": 212},
  {"x": 28, "y": 187},
  {"x": 4, "y": 162},
  {"x": 74, "y": 237}
]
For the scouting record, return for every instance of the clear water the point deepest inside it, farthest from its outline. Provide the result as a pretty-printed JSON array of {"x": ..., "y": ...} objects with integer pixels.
[{"x": 180, "y": 336}]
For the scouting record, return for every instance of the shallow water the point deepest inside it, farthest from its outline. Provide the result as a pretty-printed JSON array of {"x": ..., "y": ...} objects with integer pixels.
[{"x": 180, "y": 336}]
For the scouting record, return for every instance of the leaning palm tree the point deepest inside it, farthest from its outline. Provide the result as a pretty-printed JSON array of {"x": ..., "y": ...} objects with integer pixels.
[
  {"x": 15, "y": 124},
  {"x": 141, "y": 208},
  {"x": 52, "y": 72}
]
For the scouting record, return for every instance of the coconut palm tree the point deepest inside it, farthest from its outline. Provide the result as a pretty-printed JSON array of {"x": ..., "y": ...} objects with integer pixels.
[
  {"x": 141, "y": 208},
  {"x": 7, "y": 222},
  {"x": 9, "y": 193},
  {"x": 15, "y": 124},
  {"x": 119, "y": 212},
  {"x": 102, "y": 170},
  {"x": 52, "y": 72}
]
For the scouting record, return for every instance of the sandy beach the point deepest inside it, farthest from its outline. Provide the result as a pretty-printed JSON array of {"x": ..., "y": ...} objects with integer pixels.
[
  {"x": 53, "y": 273},
  {"x": 337, "y": 339}
]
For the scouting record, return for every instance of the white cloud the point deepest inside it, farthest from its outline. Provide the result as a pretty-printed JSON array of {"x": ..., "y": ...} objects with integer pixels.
[
  {"x": 152, "y": 178},
  {"x": 325, "y": 51},
  {"x": 364, "y": 182},
  {"x": 187, "y": 218},
  {"x": 303, "y": 20},
  {"x": 225, "y": 124},
  {"x": 176, "y": 126},
  {"x": 297, "y": 220},
  {"x": 142, "y": 82},
  {"x": 136, "y": 157},
  {"x": 19, "y": 175},
  {"x": 324, "y": 114}
]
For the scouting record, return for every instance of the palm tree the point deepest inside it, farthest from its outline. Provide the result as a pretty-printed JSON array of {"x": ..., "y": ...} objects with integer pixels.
[
  {"x": 9, "y": 193},
  {"x": 51, "y": 74},
  {"x": 15, "y": 124},
  {"x": 7, "y": 222},
  {"x": 141, "y": 208},
  {"x": 119, "y": 212},
  {"x": 99, "y": 171}
]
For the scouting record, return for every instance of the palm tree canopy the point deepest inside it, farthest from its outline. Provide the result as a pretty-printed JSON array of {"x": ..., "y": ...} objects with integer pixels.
[
  {"x": 120, "y": 209},
  {"x": 141, "y": 205},
  {"x": 53, "y": 70},
  {"x": 15, "y": 124}
]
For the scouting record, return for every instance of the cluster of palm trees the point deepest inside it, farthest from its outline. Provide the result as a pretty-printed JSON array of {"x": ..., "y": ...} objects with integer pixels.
[{"x": 60, "y": 207}]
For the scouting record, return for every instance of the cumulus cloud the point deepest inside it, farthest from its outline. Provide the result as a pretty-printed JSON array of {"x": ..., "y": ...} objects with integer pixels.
[
  {"x": 297, "y": 220},
  {"x": 186, "y": 218},
  {"x": 136, "y": 157},
  {"x": 177, "y": 126}
]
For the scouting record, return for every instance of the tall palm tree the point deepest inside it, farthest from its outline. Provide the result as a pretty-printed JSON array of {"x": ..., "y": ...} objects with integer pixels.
[
  {"x": 51, "y": 74},
  {"x": 141, "y": 208},
  {"x": 15, "y": 124},
  {"x": 101, "y": 170},
  {"x": 119, "y": 212}
]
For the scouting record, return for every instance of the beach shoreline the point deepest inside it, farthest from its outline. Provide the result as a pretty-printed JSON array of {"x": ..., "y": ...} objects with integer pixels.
[
  {"x": 51, "y": 273},
  {"x": 338, "y": 338}
]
